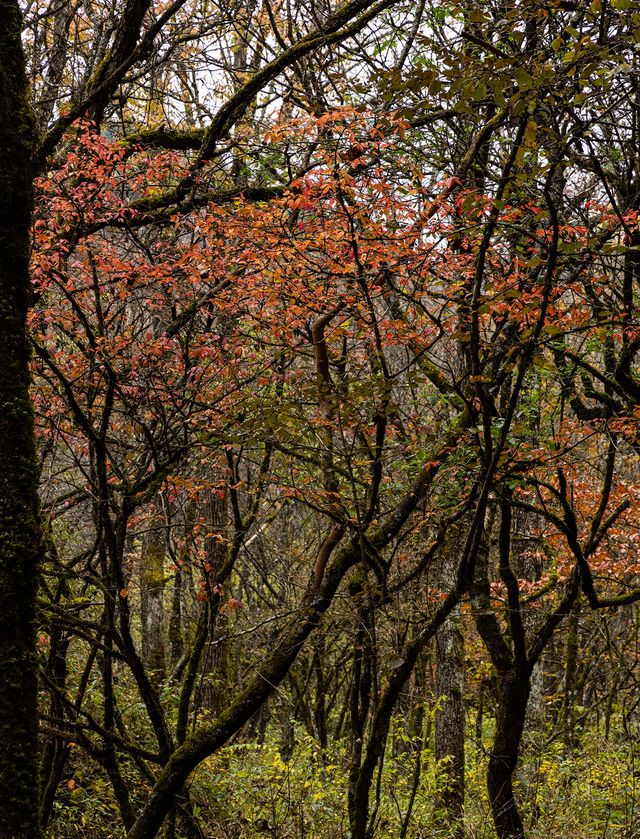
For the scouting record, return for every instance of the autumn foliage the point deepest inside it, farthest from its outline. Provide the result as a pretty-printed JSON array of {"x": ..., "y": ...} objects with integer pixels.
[{"x": 334, "y": 329}]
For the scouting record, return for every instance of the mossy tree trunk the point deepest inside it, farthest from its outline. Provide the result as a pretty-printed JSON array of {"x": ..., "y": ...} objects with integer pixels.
[
  {"x": 20, "y": 542},
  {"x": 152, "y": 599}
]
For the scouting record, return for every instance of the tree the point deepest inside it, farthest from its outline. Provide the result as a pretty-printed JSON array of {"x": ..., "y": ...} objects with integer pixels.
[
  {"x": 343, "y": 346},
  {"x": 20, "y": 542},
  {"x": 132, "y": 44}
]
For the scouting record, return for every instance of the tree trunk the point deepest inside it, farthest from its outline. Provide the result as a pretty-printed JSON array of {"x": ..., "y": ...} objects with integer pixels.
[
  {"x": 176, "y": 644},
  {"x": 510, "y": 720},
  {"x": 151, "y": 600},
  {"x": 320, "y": 702},
  {"x": 216, "y": 670},
  {"x": 358, "y": 804},
  {"x": 528, "y": 566},
  {"x": 20, "y": 540},
  {"x": 449, "y": 719},
  {"x": 55, "y": 749}
]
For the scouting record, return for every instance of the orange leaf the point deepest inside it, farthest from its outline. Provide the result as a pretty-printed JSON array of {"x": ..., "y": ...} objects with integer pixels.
[{"x": 233, "y": 604}]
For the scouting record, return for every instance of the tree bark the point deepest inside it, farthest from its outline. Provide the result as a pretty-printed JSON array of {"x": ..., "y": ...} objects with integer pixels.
[
  {"x": 151, "y": 600},
  {"x": 20, "y": 539},
  {"x": 449, "y": 719},
  {"x": 361, "y": 689},
  {"x": 510, "y": 720},
  {"x": 216, "y": 671},
  {"x": 570, "y": 672}
]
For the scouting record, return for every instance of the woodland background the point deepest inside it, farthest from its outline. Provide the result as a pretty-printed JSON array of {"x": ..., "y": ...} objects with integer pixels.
[{"x": 319, "y": 332}]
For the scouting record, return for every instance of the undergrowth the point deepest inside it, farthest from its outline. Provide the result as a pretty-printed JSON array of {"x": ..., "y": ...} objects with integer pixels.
[{"x": 248, "y": 790}]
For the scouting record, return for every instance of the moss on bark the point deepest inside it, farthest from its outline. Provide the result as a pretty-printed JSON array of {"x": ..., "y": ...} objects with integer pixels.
[{"x": 19, "y": 530}]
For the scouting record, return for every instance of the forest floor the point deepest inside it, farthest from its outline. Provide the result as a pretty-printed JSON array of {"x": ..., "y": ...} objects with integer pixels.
[{"x": 249, "y": 790}]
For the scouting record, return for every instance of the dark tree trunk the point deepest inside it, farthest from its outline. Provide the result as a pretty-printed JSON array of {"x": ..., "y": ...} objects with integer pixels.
[
  {"x": 55, "y": 750},
  {"x": 216, "y": 666},
  {"x": 176, "y": 643},
  {"x": 450, "y": 718},
  {"x": 510, "y": 721},
  {"x": 528, "y": 566},
  {"x": 513, "y": 671},
  {"x": 20, "y": 542},
  {"x": 361, "y": 696},
  {"x": 571, "y": 666}
]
